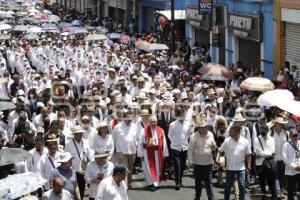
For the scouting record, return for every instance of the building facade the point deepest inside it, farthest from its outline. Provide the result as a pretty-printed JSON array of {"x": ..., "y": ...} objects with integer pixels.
[
  {"x": 238, "y": 30},
  {"x": 286, "y": 33}
]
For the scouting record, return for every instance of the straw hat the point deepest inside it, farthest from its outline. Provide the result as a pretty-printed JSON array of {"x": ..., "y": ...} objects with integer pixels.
[
  {"x": 77, "y": 129},
  {"x": 211, "y": 91},
  {"x": 102, "y": 124},
  {"x": 167, "y": 96},
  {"x": 238, "y": 117},
  {"x": 280, "y": 120},
  {"x": 142, "y": 95},
  {"x": 145, "y": 112},
  {"x": 52, "y": 138},
  {"x": 141, "y": 79},
  {"x": 100, "y": 154},
  {"x": 65, "y": 157}
]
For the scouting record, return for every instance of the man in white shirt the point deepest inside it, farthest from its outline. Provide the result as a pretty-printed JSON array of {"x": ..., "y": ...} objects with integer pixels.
[
  {"x": 37, "y": 153},
  {"x": 57, "y": 193},
  {"x": 179, "y": 132},
  {"x": 237, "y": 151},
  {"x": 291, "y": 157},
  {"x": 264, "y": 148},
  {"x": 125, "y": 138},
  {"x": 280, "y": 136},
  {"x": 81, "y": 153},
  {"x": 114, "y": 187},
  {"x": 49, "y": 161},
  {"x": 98, "y": 170},
  {"x": 200, "y": 154}
]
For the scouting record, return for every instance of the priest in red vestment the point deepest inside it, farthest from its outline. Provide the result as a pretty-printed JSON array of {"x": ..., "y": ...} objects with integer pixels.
[{"x": 152, "y": 150}]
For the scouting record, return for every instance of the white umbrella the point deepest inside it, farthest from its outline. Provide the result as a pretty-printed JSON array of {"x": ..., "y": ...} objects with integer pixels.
[
  {"x": 114, "y": 35},
  {"x": 291, "y": 106},
  {"x": 274, "y": 97},
  {"x": 158, "y": 46},
  {"x": 5, "y": 27},
  {"x": 21, "y": 28},
  {"x": 30, "y": 37},
  {"x": 257, "y": 84},
  {"x": 35, "y": 29},
  {"x": 4, "y": 37},
  {"x": 95, "y": 37},
  {"x": 101, "y": 29},
  {"x": 17, "y": 185},
  {"x": 78, "y": 31}
]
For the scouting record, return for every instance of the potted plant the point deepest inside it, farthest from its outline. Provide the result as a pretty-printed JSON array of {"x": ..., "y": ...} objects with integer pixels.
[{"x": 256, "y": 194}]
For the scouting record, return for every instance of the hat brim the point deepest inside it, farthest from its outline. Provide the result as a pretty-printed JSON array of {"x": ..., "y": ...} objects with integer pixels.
[
  {"x": 101, "y": 155},
  {"x": 76, "y": 132},
  {"x": 281, "y": 122},
  {"x": 65, "y": 160}
]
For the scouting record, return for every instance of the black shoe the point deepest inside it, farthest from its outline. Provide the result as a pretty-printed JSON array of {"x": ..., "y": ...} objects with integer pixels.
[
  {"x": 152, "y": 188},
  {"x": 177, "y": 187},
  {"x": 181, "y": 185}
]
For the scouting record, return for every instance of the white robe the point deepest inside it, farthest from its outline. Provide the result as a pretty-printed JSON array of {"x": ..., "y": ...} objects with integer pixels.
[{"x": 141, "y": 152}]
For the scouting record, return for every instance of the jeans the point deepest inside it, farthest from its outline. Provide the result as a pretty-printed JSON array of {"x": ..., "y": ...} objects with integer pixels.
[
  {"x": 229, "y": 181},
  {"x": 203, "y": 173},
  {"x": 292, "y": 182},
  {"x": 180, "y": 162}
]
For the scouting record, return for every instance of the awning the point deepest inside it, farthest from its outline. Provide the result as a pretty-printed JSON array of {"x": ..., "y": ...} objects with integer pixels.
[{"x": 178, "y": 14}]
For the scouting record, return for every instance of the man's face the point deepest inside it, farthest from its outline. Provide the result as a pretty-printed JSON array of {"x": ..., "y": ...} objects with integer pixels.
[
  {"x": 152, "y": 123},
  {"x": 52, "y": 149},
  {"x": 39, "y": 145},
  {"x": 58, "y": 186},
  {"x": 202, "y": 130}
]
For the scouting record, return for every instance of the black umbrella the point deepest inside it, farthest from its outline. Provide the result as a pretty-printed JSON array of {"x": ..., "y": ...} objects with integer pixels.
[{"x": 13, "y": 155}]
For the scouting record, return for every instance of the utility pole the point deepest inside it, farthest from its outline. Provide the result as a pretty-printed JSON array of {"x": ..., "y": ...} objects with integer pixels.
[{"x": 172, "y": 26}]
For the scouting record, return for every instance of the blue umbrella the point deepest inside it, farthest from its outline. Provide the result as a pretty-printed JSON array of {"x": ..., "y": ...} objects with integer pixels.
[
  {"x": 49, "y": 27},
  {"x": 114, "y": 36}
]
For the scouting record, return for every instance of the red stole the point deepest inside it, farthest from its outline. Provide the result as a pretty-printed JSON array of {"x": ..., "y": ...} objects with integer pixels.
[
  {"x": 150, "y": 148},
  {"x": 114, "y": 123}
]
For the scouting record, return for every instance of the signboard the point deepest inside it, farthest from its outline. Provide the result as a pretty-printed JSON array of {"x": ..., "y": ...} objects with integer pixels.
[
  {"x": 245, "y": 26},
  {"x": 196, "y": 20},
  {"x": 205, "y": 6}
]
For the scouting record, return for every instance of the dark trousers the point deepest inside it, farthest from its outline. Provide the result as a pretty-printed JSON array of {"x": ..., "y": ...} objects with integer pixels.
[
  {"x": 292, "y": 182},
  {"x": 180, "y": 162},
  {"x": 281, "y": 176},
  {"x": 265, "y": 175},
  {"x": 81, "y": 183},
  {"x": 203, "y": 173}
]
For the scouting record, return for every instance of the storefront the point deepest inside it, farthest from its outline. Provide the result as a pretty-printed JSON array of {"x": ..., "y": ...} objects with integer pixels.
[
  {"x": 247, "y": 32},
  {"x": 200, "y": 27},
  {"x": 287, "y": 34}
]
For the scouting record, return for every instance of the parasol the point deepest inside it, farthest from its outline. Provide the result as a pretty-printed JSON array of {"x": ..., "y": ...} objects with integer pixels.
[
  {"x": 17, "y": 185},
  {"x": 257, "y": 84},
  {"x": 102, "y": 29},
  {"x": 273, "y": 97},
  {"x": 125, "y": 38},
  {"x": 35, "y": 29},
  {"x": 95, "y": 37},
  {"x": 4, "y": 37},
  {"x": 114, "y": 36},
  {"x": 215, "y": 72},
  {"x": 30, "y": 37},
  {"x": 21, "y": 28},
  {"x": 5, "y": 27},
  {"x": 77, "y": 23},
  {"x": 13, "y": 155}
]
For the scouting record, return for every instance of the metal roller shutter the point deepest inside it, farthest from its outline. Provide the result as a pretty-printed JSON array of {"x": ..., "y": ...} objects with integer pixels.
[
  {"x": 202, "y": 37},
  {"x": 292, "y": 43},
  {"x": 249, "y": 53}
]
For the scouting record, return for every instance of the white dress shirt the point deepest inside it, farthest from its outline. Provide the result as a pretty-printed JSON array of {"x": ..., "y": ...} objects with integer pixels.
[
  {"x": 265, "y": 149},
  {"x": 179, "y": 134},
  {"x": 279, "y": 140},
  {"x": 109, "y": 190},
  {"x": 32, "y": 164},
  {"x": 125, "y": 138},
  {"x": 45, "y": 167},
  {"x": 51, "y": 195},
  {"x": 200, "y": 151},
  {"x": 290, "y": 159},
  {"x": 104, "y": 144},
  {"x": 235, "y": 152},
  {"x": 84, "y": 152},
  {"x": 92, "y": 171}
]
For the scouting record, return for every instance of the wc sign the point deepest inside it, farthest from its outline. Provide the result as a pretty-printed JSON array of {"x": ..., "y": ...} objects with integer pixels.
[{"x": 206, "y": 6}]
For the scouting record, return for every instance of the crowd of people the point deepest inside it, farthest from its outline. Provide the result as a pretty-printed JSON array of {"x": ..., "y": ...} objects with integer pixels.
[{"x": 92, "y": 113}]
